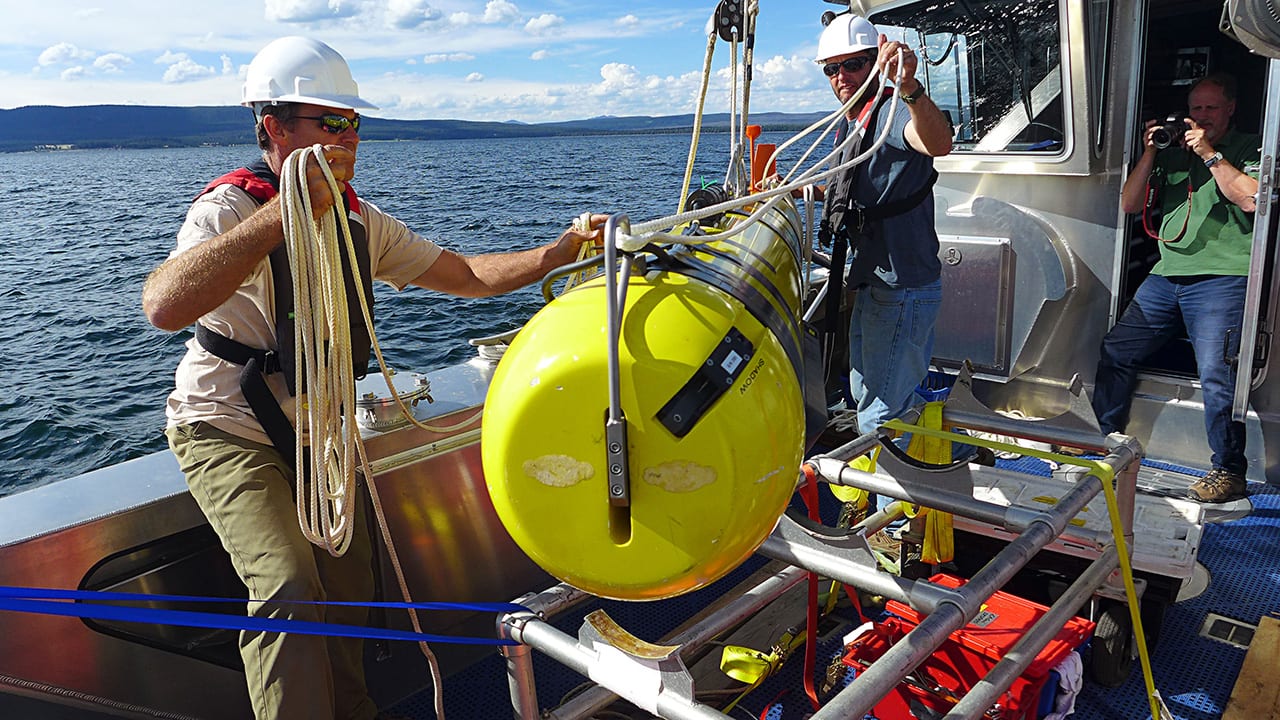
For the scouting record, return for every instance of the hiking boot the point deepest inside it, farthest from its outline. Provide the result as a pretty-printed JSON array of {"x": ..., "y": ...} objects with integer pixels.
[{"x": 1218, "y": 486}]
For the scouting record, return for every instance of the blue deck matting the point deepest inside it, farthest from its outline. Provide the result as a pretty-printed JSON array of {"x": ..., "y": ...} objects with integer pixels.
[{"x": 1195, "y": 675}]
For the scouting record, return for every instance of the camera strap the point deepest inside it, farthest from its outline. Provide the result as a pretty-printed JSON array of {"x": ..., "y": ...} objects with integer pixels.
[{"x": 1152, "y": 216}]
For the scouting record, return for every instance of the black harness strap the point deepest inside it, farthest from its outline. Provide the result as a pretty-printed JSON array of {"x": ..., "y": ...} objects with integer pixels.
[{"x": 255, "y": 366}]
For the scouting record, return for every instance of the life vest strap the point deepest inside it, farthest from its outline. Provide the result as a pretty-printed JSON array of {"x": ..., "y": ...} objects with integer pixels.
[{"x": 256, "y": 365}]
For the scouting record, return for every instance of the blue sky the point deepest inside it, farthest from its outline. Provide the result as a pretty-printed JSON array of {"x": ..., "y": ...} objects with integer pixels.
[{"x": 523, "y": 60}]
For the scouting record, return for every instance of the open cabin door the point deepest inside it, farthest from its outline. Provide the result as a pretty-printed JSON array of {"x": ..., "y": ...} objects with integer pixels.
[{"x": 1258, "y": 326}]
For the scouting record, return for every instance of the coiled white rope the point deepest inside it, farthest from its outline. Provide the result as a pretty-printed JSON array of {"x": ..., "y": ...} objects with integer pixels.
[
  {"x": 326, "y": 496},
  {"x": 325, "y": 413}
]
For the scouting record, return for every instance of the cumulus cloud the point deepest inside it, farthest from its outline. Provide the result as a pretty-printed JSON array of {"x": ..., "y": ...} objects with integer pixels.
[
  {"x": 627, "y": 21},
  {"x": 539, "y": 55},
  {"x": 619, "y": 76},
  {"x": 475, "y": 77},
  {"x": 543, "y": 23},
  {"x": 500, "y": 11},
  {"x": 410, "y": 14},
  {"x": 112, "y": 62},
  {"x": 496, "y": 12},
  {"x": 61, "y": 54},
  {"x": 435, "y": 58},
  {"x": 301, "y": 11},
  {"x": 792, "y": 72},
  {"x": 74, "y": 73},
  {"x": 228, "y": 67},
  {"x": 183, "y": 69}
]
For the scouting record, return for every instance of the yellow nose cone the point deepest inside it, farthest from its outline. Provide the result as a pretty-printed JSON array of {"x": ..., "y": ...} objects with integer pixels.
[{"x": 705, "y": 491}]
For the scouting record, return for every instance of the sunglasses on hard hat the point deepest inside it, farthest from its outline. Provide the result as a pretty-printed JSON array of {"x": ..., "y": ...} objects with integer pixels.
[
  {"x": 853, "y": 65},
  {"x": 332, "y": 123}
]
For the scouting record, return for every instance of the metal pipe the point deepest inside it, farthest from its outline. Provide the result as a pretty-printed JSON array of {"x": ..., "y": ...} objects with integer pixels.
[
  {"x": 667, "y": 701},
  {"x": 520, "y": 681},
  {"x": 1010, "y": 518},
  {"x": 950, "y": 613},
  {"x": 986, "y": 691},
  {"x": 813, "y": 555},
  {"x": 692, "y": 639}
]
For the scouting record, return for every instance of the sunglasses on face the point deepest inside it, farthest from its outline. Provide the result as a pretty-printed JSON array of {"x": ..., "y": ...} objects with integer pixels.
[
  {"x": 853, "y": 65},
  {"x": 332, "y": 123}
]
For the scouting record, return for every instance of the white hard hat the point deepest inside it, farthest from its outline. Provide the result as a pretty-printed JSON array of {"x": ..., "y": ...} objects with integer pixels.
[
  {"x": 847, "y": 34},
  {"x": 300, "y": 70}
]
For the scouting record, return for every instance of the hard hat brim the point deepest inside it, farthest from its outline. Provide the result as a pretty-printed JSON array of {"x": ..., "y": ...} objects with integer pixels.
[{"x": 341, "y": 102}]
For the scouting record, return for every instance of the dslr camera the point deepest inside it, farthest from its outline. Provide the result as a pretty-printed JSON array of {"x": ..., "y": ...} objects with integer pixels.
[{"x": 1174, "y": 127}]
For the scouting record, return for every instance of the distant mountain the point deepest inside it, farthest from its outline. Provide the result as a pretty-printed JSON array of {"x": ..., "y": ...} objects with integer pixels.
[{"x": 102, "y": 126}]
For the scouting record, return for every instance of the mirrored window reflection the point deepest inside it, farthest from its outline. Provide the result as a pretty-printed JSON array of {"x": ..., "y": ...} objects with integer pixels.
[{"x": 993, "y": 66}]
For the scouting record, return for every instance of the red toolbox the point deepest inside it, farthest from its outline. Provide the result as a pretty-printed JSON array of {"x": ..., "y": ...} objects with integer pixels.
[{"x": 937, "y": 684}]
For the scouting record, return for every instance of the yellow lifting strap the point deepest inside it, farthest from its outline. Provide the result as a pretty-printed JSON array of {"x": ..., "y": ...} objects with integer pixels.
[{"x": 939, "y": 540}]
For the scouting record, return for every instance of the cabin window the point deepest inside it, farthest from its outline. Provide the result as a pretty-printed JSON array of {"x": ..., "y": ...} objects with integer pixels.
[
  {"x": 1099, "y": 47},
  {"x": 994, "y": 67}
]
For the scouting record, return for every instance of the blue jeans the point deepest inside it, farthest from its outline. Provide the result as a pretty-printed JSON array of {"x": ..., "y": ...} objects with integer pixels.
[
  {"x": 1211, "y": 308},
  {"x": 890, "y": 345}
]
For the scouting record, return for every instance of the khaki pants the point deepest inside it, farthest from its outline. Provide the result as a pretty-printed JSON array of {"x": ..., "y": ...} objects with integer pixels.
[{"x": 244, "y": 489}]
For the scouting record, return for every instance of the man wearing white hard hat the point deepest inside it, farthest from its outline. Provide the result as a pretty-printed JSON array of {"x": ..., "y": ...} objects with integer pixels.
[
  {"x": 882, "y": 212},
  {"x": 229, "y": 414}
]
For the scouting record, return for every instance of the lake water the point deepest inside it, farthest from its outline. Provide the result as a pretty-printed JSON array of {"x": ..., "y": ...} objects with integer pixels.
[{"x": 87, "y": 375}]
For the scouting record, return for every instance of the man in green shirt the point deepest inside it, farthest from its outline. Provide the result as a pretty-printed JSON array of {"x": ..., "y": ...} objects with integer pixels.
[{"x": 1204, "y": 183}]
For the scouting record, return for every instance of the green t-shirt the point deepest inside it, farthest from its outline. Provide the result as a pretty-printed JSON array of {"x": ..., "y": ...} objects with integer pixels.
[{"x": 1219, "y": 235}]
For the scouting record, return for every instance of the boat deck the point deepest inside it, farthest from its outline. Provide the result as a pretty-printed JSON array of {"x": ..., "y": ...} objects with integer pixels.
[{"x": 1238, "y": 580}]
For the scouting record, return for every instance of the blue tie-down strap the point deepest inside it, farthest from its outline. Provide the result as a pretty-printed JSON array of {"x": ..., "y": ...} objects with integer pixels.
[{"x": 49, "y": 601}]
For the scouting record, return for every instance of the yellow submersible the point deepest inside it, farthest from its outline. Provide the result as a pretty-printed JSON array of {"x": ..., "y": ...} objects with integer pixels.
[{"x": 666, "y": 479}]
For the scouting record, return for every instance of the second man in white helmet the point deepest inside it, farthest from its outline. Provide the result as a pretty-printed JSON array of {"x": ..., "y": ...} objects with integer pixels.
[{"x": 881, "y": 211}]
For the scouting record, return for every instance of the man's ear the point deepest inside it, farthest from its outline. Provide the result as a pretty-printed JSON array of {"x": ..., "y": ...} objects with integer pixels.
[{"x": 274, "y": 126}]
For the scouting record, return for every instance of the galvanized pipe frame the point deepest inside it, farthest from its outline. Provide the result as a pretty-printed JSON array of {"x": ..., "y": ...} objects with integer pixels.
[
  {"x": 954, "y": 609},
  {"x": 1001, "y": 677},
  {"x": 532, "y": 631}
]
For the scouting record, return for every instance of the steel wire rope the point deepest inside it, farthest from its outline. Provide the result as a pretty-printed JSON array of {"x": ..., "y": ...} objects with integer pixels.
[
  {"x": 646, "y": 232},
  {"x": 302, "y": 234},
  {"x": 698, "y": 113}
]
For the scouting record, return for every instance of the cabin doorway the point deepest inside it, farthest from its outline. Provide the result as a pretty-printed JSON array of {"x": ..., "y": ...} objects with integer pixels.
[{"x": 1182, "y": 44}]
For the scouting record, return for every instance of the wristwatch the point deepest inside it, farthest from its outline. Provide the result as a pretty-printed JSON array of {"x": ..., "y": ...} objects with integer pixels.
[
  {"x": 1214, "y": 159},
  {"x": 914, "y": 95}
]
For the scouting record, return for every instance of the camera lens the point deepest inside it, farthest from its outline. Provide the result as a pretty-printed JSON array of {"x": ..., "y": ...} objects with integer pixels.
[{"x": 1173, "y": 128}]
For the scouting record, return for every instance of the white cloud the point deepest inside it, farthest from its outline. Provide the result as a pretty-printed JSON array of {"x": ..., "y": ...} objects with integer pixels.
[
  {"x": 496, "y": 12},
  {"x": 168, "y": 57},
  {"x": 301, "y": 11},
  {"x": 74, "y": 73},
  {"x": 618, "y": 76},
  {"x": 228, "y": 67},
  {"x": 184, "y": 69},
  {"x": 794, "y": 72},
  {"x": 627, "y": 21},
  {"x": 434, "y": 58},
  {"x": 500, "y": 11},
  {"x": 62, "y": 53},
  {"x": 112, "y": 62},
  {"x": 475, "y": 77},
  {"x": 410, "y": 14},
  {"x": 539, "y": 55},
  {"x": 543, "y": 23}
]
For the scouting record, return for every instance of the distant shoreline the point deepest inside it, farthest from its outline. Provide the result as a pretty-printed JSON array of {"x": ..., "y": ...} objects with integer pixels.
[{"x": 97, "y": 127}]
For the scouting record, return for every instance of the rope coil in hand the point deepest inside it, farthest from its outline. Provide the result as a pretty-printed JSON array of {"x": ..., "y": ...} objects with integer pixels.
[{"x": 325, "y": 414}]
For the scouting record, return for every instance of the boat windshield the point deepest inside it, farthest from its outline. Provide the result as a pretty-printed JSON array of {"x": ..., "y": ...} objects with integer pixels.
[{"x": 993, "y": 66}]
